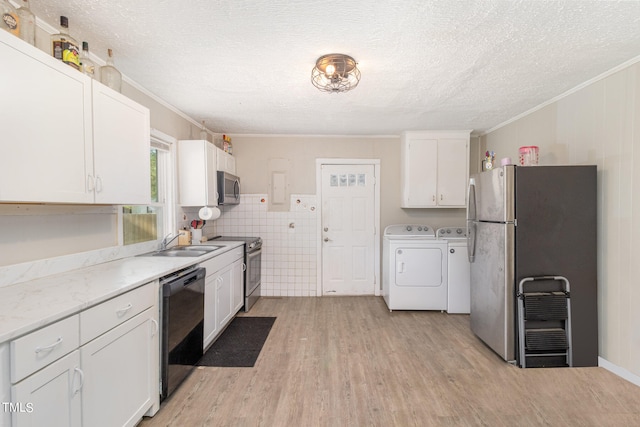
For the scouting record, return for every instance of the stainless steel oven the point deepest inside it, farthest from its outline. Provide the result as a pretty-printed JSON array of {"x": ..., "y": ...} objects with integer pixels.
[
  {"x": 182, "y": 326},
  {"x": 253, "y": 267},
  {"x": 252, "y": 275}
]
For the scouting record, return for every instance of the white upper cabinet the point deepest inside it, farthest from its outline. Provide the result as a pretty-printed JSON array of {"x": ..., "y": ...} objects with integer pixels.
[
  {"x": 226, "y": 162},
  {"x": 434, "y": 169},
  {"x": 121, "y": 148},
  {"x": 46, "y": 153},
  {"x": 56, "y": 129},
  {"x": 197, "y": 173}
]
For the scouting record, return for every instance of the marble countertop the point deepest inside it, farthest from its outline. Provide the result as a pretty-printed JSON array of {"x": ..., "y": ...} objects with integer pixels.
[{"x": 27, "y": 306}]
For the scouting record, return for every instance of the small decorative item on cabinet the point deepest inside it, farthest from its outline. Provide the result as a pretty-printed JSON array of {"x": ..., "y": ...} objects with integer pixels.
[
  {"x": 27, "y": 23},
  {"x": 489, "y": 160},
  {"x": 10, "y": 19},
  {"x": 227, "y": 146},
  {"x": 64, "y": 47},
  {"x": 88, "y": 67},
  {"x": 109, "y": 74},
  {"x": 203, "y": 132}
]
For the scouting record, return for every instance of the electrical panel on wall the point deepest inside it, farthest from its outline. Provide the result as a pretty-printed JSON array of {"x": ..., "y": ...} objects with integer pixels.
[{"x": 279, "y": 189}]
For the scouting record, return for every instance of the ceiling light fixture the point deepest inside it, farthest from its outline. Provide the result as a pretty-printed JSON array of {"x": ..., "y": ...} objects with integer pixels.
[{"x": 335, "y": 73}]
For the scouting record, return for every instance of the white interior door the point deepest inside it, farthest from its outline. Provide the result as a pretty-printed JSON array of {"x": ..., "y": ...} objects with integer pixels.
[{"x": 348, "y": 229}]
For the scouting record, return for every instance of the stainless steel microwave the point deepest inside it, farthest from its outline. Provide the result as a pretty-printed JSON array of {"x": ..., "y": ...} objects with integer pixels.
[{"x": 228, "y": 189}]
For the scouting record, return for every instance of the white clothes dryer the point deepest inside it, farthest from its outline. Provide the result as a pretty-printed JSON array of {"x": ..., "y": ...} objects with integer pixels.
[
  {"x": 414, "y": 268},
  {"x": 458, "y": 269}
]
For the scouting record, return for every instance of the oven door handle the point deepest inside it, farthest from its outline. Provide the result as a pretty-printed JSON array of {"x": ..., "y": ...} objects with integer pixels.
[{"x": 254, "y": 254}]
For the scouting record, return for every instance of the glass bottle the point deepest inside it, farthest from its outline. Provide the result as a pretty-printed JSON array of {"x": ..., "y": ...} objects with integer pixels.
[
  {"x": 64, "y": 47},
  {"x": 27, "y": 23},
  {"x": 109, "y": 74},
  {"x": 203, "y": 132},
  {"x": 10, "y": 19},
  {"x": 88, "y": 66}
]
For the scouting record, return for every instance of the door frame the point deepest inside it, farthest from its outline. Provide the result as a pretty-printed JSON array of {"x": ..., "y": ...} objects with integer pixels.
[{"x": 376, "y": 218}]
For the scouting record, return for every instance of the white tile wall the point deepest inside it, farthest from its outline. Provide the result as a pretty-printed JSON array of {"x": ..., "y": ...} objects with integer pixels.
[{"x": 289, "y": 241}]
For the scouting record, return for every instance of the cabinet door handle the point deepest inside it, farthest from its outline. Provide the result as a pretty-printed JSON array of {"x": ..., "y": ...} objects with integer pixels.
[
  {"x": 49, "y": 347},
  {"x": 244, "y": 267},
  {"x": 98, "y": 184},
  {"x": 401, "y": 267},
  {"x": 433, "y": 198},
  {"x": 79, "y": 371},
  {"x": 90, "y": 183},
  {"x": 122, "y": 311},
  {"x": 156, "y": 327},
  {"x": 441, "y": 198}
]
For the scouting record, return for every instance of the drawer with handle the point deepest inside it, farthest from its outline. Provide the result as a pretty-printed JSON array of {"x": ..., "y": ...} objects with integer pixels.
[
  {"x": 99, "y": 319},
  {"x": 42, "y": 347}
]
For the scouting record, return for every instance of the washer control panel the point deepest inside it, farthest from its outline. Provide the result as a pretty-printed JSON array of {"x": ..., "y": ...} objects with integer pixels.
[{"x": 409, "y": 230}]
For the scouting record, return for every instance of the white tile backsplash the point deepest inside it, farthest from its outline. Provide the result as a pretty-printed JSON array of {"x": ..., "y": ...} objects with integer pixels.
[{"x": 289, "y": 241}]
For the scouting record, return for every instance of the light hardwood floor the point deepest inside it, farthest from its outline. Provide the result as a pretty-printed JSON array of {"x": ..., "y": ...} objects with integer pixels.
[{"x": 348, "y": 361}]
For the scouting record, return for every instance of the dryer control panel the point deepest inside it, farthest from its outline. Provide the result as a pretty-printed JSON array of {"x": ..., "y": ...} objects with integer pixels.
[
  {"x": 452, "y": 233},
  {"x": 409, "y": 231}
]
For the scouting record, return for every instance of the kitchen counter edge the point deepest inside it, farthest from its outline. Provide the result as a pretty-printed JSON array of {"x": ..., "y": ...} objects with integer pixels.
[{"x": 27, "y": 306}]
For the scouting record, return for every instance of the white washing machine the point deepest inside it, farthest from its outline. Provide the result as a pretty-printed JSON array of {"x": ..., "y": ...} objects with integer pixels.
[
  {"x": 458, "y": 269},
  {"x": 414, "y": 268}
]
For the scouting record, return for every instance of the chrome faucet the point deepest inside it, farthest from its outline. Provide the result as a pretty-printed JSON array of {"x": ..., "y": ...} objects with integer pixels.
[{"x": 165, "y": 242}]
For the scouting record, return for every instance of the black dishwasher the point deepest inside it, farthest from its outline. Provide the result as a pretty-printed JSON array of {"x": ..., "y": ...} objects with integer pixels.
[{"x": 182, "y": 326}]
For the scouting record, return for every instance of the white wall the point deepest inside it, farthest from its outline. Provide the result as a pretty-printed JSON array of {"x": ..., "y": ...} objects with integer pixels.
[
  {"x": 253, "y": 152},
  {"x": 598, "y": 124},
  {"x": 289, "y": 255}
]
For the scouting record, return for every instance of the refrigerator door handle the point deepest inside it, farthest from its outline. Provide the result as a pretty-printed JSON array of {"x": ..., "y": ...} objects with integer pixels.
[
  {"x": 471, "y": 240},
  {"x": 471, "y": 218},
  {"x": 471, "y": 200}
]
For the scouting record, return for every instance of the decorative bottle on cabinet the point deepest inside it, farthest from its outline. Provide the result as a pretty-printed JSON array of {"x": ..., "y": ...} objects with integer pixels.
[
  {"x": 27, "y": 23},
  {"x": 10, "y": 19},
  {"x": 109, "y": 74},
  {"x": 88, "y": 66},
  {"x": 64, "y": 47}
]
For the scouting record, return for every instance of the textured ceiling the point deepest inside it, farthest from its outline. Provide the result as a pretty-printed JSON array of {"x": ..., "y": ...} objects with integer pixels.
[{"x": 244, "y": 66}]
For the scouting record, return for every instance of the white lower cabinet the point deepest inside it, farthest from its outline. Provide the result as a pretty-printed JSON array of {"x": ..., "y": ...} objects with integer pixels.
[
  {"x": 119, "y": 378},
  {"x": 5, "y": 383},
  {"x": 223, "y": 292},
  {"x": 96, "y": 368},
  {"x": 224, "y": 297},
  {"x": 237, "y": 284},
  {"x": 210, "y": 319},
  {"x": 51, "y": 396}
]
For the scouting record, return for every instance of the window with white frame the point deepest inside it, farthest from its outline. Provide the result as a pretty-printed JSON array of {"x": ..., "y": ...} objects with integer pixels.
[{"x": 153, "y": 221}]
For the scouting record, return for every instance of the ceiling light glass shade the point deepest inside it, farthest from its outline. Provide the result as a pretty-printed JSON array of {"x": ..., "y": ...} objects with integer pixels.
[{"x": 335, "y": 73}]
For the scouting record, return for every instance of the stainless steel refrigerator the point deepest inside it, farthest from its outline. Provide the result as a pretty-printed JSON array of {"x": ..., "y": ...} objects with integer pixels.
[{"x": 527, "y": 222}]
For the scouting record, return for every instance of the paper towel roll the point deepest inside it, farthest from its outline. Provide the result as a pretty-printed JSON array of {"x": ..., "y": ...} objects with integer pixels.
[{"x": 207, "y": 213}]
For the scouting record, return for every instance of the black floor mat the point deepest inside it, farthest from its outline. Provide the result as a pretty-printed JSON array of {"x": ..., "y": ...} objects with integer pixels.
[{"x": 240, "y": 344}]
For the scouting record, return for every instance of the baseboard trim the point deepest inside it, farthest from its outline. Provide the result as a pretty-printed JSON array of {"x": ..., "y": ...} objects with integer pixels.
[{"x": 621, "y": 372}]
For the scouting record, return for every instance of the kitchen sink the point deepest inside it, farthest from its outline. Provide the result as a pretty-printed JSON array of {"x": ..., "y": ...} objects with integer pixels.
[
  {"x": 199, "y": 248},
  {"x": 177, "y": 253},
  {"x": 185, "y": 251}
]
